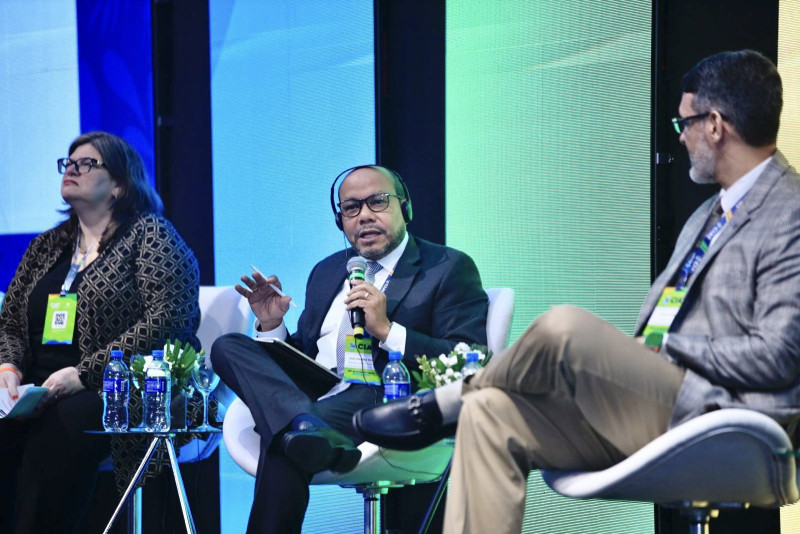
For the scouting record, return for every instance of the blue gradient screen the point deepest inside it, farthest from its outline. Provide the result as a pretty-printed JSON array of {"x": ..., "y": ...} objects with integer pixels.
[{"x": 292, "y": 100}]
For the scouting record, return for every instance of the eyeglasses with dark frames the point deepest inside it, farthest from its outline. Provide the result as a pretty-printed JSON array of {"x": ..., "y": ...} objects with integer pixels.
[
  {"x": 82, "y": 165},
  {"x": 680, "y": 123},
  {"x": 376, "y": 203}
]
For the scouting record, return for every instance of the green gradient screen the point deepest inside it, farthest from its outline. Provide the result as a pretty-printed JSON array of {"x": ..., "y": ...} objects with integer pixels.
[{"x": 548, "y": 175}]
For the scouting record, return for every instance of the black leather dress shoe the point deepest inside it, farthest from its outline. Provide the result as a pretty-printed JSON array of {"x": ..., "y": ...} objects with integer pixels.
[
  {"x": 405, "y": 424},
  {"x": 314, "y": 446}
]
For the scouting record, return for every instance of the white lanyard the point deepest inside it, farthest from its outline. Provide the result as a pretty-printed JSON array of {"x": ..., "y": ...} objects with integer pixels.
[{"x": 75, "y": 266}]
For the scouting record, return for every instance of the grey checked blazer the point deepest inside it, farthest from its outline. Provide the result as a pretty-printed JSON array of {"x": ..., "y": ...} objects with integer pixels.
[{"x": 738, "y": 331}]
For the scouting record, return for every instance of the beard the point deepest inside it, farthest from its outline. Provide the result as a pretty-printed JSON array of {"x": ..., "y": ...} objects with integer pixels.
[
  {"x": 392, "y": 242},
  {"x": 703, "y": 164}
]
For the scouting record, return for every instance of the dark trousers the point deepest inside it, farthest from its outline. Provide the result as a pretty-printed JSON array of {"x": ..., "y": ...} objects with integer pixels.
[
  {"x": 275, "y": 397},
  {"x": 48, "y": 465}
]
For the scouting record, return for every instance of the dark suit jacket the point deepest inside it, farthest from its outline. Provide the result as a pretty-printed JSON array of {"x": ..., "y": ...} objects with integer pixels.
[
  {"x": 738, "y": 331},
  {"x": 435, "y": 293}
]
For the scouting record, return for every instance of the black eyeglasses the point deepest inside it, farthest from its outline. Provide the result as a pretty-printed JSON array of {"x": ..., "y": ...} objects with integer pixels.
[
  {"x": 376, "y": 203},
  {"x": 82, "y": 165},
  {"x": 680, "y": 124}
]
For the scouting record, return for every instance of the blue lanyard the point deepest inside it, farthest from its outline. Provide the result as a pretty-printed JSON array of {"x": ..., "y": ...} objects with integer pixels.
[
  {"x": 75, "y": 266},
  {"x": 702, "y": 245},
  {"x": 386, "y": 282}
]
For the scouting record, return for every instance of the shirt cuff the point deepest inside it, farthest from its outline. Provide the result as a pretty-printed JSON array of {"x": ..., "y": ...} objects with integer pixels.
[
  {"x": 280, "y": 332},
  {"x": 396, "y": 340}
]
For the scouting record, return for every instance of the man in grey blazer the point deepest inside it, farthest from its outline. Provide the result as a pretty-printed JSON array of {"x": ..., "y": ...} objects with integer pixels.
[{"x": 720, "y": 326}]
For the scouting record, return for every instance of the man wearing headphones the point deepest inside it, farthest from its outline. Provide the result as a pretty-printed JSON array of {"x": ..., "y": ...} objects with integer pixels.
[{"x": 423, "y": 299}]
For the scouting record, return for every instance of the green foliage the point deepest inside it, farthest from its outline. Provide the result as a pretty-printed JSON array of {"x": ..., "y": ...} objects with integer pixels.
[
  {"x": 137, "y": 369},
  {"x": 181, "y": 358}
]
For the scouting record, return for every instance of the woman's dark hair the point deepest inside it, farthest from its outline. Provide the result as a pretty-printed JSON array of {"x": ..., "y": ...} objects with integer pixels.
[
  {"x": 744, "y": 87},
  {"x": 126, "y": 168}
]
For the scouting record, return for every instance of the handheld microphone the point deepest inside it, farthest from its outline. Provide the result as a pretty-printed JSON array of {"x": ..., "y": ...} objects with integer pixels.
[{"x": 357, "y": 267}]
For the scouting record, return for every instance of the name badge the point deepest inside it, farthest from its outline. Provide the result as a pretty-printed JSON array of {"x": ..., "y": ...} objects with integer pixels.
[
  {"x": 661, "y": 319},
  {"x": 59, "y": 321},
  {"x": 358, "y": 365}
]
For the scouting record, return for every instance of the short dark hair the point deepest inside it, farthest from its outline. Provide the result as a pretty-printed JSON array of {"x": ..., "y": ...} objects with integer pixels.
[
  {"x": 126, "y": 168},
  {"x": 745, "y": 87}
]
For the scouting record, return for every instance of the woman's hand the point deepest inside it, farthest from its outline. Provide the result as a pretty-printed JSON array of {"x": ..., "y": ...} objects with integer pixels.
[
  {"x": 62, "y": 383},
  {"x": 10, "y": 379}
]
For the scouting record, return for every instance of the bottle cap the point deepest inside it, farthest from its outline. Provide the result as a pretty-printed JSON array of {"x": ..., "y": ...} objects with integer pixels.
[
  {"x": 158, "y": 354},
  {"x": 395, "y": 355},
  {"x": 116, "y": 354},
  {"x": 472, "y": 356}
]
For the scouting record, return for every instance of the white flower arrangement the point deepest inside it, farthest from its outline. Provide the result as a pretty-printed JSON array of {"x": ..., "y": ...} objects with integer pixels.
[{"x": 447, "y": 368}]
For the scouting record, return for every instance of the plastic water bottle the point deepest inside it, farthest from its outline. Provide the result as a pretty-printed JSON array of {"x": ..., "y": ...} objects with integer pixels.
[
  {"x": 157, "y": 393},
  {"x": 116, "y": 392},
  {"x": 396, "y": 380},
  {"x": 472, "y": 366}
]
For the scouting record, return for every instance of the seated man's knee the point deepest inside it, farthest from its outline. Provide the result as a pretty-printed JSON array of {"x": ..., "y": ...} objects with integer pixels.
[
  {"x": 574, "y": 330},
  {"x": 561, "y": 322},
  {"x": 225, "y": 347}
]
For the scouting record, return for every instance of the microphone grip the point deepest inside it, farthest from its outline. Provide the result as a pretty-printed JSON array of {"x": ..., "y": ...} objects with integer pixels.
[{"x": 357, "y": 321}]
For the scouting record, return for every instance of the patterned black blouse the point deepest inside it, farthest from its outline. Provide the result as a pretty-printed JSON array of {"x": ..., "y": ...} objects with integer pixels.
[{"x": 140, "y": 291}]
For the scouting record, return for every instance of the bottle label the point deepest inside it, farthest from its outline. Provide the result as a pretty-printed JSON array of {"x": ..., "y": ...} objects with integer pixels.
[
  {"x": 115, "y": 385},
  {"x": 396, "y": 390},
  {"x": 155, "y": 385}
]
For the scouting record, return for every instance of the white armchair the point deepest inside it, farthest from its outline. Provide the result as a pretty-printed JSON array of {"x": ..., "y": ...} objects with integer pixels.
[
  {"x": 729, "y": 458},
  {"x": 222, "y": 311}
]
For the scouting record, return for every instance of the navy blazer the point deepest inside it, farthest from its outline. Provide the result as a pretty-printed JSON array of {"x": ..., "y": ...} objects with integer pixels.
[{"x": 435, "y": 293}]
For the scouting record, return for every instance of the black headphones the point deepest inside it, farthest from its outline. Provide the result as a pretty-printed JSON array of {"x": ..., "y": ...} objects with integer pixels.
[{"x": 405, "y": 203}]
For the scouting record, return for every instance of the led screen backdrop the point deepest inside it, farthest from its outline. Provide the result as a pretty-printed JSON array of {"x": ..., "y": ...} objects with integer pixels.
[
  {"x": 40, "y": 110},
  {"x": 292, "y": 99},
  {"x": 548, "y": 175},
  {"x": 789, "y": 68},
  {"x": 68, "y": 67},
  {"x": 789, "y": 138},
  {"x": 292, "y": 105}
]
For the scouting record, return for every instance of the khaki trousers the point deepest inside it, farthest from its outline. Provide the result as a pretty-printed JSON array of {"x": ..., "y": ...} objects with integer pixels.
[{"x": 573, "y": 392}]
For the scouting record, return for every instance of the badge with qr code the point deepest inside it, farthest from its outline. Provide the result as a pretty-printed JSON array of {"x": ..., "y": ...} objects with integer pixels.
[{"x": 59, "y": 321}]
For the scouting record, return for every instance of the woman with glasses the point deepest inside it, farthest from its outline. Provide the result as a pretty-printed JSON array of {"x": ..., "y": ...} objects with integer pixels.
[{"x": 133, "y": 283}]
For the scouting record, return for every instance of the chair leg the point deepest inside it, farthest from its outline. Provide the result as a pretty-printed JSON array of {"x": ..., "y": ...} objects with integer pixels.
[
  {"x": 371, "y": 509},
  {"x": 135, "y": 512},
  {"x": 437, "y": 498},
  {"x": 699, "y": 519}
]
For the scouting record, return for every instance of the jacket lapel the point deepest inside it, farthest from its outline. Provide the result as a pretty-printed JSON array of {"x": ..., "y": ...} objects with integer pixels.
[
  {"x": 404, "y": 274},
  {"x": 686, "y": 241},
  {"x": 750, "y": 204},
  {"x": 337, "y": 273}
]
